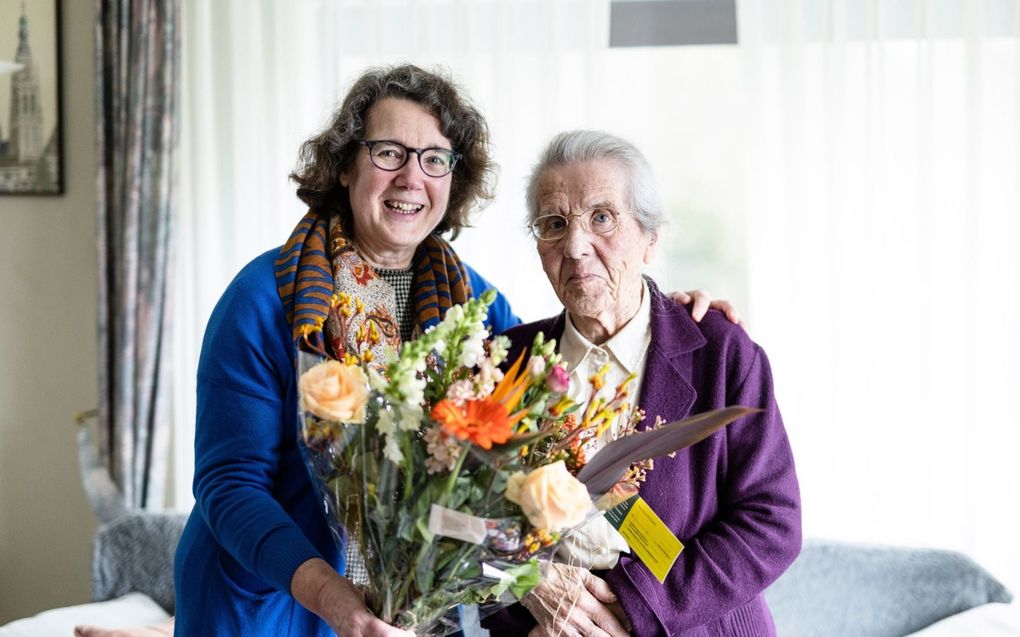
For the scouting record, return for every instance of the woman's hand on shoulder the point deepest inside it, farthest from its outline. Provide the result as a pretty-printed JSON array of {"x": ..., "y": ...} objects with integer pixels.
[
  {"x": 571, "y": 601},
  {"x": 700, "y": 301}
]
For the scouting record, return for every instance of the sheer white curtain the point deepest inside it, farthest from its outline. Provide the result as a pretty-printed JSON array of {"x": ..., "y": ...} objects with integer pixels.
[
  {"x": 858, "y": 160},
  {"x": 883, "y": 232},
  {"x": 261, "y": 77}
]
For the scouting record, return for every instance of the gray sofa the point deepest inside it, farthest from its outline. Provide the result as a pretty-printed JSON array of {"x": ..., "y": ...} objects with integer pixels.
[
  {"x": 839, "y": 589},
  {"x": 834, "y": 589}
]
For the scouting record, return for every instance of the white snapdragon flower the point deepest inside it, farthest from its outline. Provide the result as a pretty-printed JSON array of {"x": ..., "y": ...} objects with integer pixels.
[
  {"x": 384, "y": 422},
  {"x": 542, "y": 347},
  {"x": 469, "y": 355},
  {"x": 411, "y": 417},
  {"x": 405, "y": 386},
  {"x": 473, "y": 347},
  {"x": 454, "y": 315},
  {"x": 499, "y": 349},
  {"x": 536, "y": 366},
  {"x": 392, "y": 450},
  {"x": 386, "y": 426},
  {"x": 414, "y": 392}
]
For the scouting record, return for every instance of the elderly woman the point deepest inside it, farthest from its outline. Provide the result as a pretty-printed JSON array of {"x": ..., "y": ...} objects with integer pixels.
[{"x": 732, "y": 499}]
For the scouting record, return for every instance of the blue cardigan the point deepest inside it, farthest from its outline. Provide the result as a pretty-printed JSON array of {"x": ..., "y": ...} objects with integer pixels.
[
  {"x": 732, "y": 499},
  {"x": 256, "y": 517}
]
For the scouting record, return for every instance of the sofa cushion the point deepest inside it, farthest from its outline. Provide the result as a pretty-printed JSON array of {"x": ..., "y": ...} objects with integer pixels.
[
  {"x": 839, "y": 589},
  {"x": 136, "y": 553}
]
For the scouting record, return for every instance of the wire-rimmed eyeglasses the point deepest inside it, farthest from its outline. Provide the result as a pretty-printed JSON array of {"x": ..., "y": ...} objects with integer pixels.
[
  {"x": 553, "y": 227},
  {"x": 390, "y": 155}
]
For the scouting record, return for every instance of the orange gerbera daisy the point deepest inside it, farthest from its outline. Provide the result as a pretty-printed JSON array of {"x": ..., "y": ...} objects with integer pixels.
[
  {"x": 488, "y": 420},
  {"x": 483, "y": 422}
]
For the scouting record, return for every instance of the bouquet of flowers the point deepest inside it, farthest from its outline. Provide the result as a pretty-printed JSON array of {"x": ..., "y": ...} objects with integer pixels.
[{"x": 450, "y": 475}]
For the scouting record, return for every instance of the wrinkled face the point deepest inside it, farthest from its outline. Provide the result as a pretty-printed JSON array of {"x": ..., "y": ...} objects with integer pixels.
[
  {"x": 595, "y": 276},
  {"x": 394, "y": 211}
]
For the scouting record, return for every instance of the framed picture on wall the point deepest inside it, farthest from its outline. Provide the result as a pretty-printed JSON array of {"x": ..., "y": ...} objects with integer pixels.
[{"x": 31, "y": 140}]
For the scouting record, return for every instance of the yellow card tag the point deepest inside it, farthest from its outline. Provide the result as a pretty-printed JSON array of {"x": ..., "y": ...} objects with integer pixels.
[{"x": 647, "y": 534}]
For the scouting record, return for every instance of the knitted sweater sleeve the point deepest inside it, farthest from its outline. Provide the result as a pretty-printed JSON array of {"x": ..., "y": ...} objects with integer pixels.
[{"x": 245, "y": 410}]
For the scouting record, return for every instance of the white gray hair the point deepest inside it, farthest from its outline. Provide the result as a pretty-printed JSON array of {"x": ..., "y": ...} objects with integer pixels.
[{"x": 592, "y": 145}]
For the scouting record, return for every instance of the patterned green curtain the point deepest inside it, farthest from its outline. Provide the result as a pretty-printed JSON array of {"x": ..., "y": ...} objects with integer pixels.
[{"x": 137, "y": 70}]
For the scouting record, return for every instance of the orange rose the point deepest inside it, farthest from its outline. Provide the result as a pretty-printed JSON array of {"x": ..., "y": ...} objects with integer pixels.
[
  {"x": 334, "y": 391},
  {"x": 551, "y": 498}
]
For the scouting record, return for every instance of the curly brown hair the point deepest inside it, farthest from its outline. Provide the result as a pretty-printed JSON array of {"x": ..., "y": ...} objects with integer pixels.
[{"x": 324, "y": 157}]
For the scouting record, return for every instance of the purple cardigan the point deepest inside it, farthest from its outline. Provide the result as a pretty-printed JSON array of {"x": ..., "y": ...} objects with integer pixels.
[{"x": 732, "y": 499}]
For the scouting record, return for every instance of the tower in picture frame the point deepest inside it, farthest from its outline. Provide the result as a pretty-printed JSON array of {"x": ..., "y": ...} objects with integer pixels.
[{"x": 31, "y": 160}]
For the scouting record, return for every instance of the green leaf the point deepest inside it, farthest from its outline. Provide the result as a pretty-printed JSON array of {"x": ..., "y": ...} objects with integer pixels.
[
  {"x": 526, "y": 577},
  {"x": 423, "y": 527}
]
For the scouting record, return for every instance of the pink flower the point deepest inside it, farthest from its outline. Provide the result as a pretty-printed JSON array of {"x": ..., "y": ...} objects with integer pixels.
[
  {"x": 461, "y": 391},
  {"x": 558, "y": 380},
  {"x": 443, "y": 451}
]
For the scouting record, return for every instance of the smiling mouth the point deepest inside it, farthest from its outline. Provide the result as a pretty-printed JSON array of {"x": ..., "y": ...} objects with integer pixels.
[{"x": 402, "y": 208}]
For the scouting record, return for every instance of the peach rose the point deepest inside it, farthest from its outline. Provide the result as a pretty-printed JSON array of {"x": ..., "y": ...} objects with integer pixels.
[
  {"x": 551, "y": 498},
  {"x": 334, "y": 391}
]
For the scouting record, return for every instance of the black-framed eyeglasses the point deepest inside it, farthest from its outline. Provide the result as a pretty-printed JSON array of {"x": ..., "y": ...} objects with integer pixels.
[
  {"x": 390, "y": 155},
  {"x": 553, "y": 227}
]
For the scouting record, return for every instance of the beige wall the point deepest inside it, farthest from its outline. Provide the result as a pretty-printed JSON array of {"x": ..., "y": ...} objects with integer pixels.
[{"x": 48, "y": 358}]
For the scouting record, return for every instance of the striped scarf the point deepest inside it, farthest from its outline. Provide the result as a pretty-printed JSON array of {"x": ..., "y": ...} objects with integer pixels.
[{"x": 319, "y": 259}]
